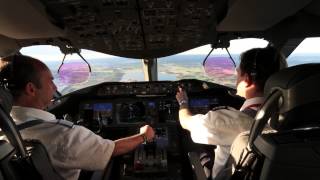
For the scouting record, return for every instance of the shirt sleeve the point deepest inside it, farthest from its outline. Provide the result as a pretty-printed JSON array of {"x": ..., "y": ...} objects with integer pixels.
[
  {"x": 83, "y": 149},
  {"x": 219, "y": 127}
]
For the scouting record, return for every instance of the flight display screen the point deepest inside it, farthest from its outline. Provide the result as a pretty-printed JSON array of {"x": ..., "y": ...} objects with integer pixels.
[
  {"x": 135, "y": 112},
  {"x": 199, "y": 103},
  {"x": 141, "y": 111},
  {"x": 98, "y": 111},
  {"x": 202, "y": 105},
  {"x": 102, "y": 107}
]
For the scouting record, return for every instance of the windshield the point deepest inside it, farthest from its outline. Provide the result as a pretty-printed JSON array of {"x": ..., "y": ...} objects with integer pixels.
[
  {"x": 107, "y": 68},
  {"x": 104, "y": 68},
  {"x": 188, "y": 65}
]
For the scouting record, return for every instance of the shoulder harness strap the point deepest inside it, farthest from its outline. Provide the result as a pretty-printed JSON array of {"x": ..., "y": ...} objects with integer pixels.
[
  {"x": 250, "y": 112},
  {"x": 35, "y": 122}
]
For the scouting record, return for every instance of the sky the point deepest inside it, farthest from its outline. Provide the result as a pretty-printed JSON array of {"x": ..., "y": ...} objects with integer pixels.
[{"x": 52, "y": 53}]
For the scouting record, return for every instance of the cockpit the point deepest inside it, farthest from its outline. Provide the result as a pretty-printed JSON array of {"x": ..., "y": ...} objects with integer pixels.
[
  {"x": 117, "y": 109},
  {"x": 118, "y": 64}
]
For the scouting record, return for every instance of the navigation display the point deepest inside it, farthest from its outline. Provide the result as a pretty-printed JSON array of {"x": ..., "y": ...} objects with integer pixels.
[{"x": 135, "y": 112}]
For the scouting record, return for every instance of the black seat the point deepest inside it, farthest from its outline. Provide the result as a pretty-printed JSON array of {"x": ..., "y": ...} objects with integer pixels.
[
  {"x": 21, "y": 159},
  {"x": 292, "y": 149}
]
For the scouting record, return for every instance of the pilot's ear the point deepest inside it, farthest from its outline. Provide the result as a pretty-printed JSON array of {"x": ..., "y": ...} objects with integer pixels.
[
  {"x": 248, "y": 80},
  {"x": 30, "y": 89}
]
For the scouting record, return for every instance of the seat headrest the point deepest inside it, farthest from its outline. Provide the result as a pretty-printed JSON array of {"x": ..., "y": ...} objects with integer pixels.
[
  {"x": 299, "y": 103},
  {"x": 6, "y": 99}
]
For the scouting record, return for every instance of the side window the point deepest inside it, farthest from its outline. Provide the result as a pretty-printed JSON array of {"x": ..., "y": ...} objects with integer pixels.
[{"x": 307, "y": 52}]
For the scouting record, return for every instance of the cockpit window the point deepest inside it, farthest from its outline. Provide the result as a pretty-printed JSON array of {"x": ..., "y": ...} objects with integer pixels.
[
  {"x": 105, "y": 68},
  {"x": 307, "y": 52},
  {"x": 188, "y": 65}
]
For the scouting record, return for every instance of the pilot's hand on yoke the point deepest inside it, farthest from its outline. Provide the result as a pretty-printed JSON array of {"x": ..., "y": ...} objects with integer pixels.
[
  {"x": 182, "y": 97},
  {"x": 147, "y": 132}
]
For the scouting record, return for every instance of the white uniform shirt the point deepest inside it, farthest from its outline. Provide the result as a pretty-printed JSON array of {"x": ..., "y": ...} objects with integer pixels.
[
  {"x": 221, "y": 127},
  {"x": 70, "y": 149}
]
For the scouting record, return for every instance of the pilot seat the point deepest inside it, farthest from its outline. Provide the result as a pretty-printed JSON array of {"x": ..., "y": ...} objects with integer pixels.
[
  {"x": 20, "y": 159},
  {"x": 284, "y": 142}
]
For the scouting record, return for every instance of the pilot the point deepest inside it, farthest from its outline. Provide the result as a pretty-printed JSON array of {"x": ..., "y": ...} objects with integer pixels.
[
  {"x": 70, "y": 147},
  {"x": 221, "y": 125}
]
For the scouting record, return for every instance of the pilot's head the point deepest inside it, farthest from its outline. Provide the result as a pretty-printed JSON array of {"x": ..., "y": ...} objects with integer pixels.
[
  {"x": 29, "y": 80},
  {"x": 256, "y": 66}
]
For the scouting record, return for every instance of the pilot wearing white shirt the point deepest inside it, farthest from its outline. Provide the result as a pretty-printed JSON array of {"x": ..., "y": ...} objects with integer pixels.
[
  {"x": 70, "y": 147},
  {"x": 221, "y": 125}
]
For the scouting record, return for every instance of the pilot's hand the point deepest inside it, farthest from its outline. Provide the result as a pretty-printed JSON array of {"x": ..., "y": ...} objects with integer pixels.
[
  {"x": 147, "y": 131},
  {"x": 182, "y": 96}
]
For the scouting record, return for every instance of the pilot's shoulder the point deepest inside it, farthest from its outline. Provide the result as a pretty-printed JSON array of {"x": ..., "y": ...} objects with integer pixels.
[
  {"x": 224, "y": 109},
  {"x": 227, "y": 112}
]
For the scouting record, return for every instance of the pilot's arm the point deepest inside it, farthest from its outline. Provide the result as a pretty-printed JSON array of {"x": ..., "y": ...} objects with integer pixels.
[
  {"x": 125, "y": 145},
  {"x": 185, "y": 116},
  {"x": 217, "y": 127}
]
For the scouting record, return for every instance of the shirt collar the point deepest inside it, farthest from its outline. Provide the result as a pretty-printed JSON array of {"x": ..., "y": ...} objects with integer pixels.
[
  {"x": 252, "y": 101},
  {"x": 22, "y": 114}
]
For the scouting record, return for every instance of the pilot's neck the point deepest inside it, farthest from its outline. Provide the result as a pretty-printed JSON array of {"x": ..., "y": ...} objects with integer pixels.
[
  {"x": 27, "y": 103},
  {"x": 252, "y": 93},
  {"x": 248, "y": 92}
]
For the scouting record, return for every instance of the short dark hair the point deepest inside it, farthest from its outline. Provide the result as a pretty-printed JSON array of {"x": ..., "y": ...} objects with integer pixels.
[
  {"x": 261, "y": 63},
  {"x": 17, "y": 71}
]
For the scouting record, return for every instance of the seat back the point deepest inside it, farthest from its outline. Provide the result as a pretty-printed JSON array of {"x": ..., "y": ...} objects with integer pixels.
[
  {"x": 291, "y": 149},
  {"x": 290, "y": 155},
  {"x": 21, "y": 159}
]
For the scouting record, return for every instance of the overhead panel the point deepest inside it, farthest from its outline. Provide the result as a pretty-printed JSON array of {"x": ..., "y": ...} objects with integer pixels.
[{"x": 137, "y": 28}]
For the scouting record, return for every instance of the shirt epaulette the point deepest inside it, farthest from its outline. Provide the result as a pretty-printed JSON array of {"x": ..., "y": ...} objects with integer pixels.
[
  {"x": 35, "y": 122},
  {"x": 219, "y": 108},
  {"x": 65, "y": 123}
]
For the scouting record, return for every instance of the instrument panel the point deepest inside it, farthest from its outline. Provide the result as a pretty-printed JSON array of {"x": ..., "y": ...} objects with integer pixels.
[
  {"x": 115, "y": 110},
  {"x": 145, "y": 110},
  {"x": 149, "y": 88}
]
